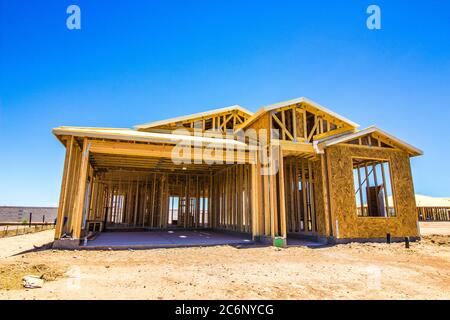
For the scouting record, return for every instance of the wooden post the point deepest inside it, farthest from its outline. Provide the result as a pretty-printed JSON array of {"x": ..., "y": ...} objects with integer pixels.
[
  {"x": 210, "y": 202},
  {"x": 80, "y": 196},
  {"x": 305, "y": 127},
  {"x": 294, "y": 123},
  {"x": 298, "y": 196},
  {"x": 273, "y": 200},
  {"x": 161, "y": 201},
  {"x": 153, "y": 202},
  {"x": 203, "y": 202},
  {"x": 255, "y": 200},
  {"x": 64, "y": 189},
  {"x": 73, "y": 186},
  {"x": 305, "y": 204},
  {"x": 325, "y": 195},
  {"x": 136, "y": 201},
  {"x": 332, "y": 225},
  {"x": 281, "y": 194},
  {"x": 292, "y": 192},
  {"x": 385, "y": 189},
  {"x": 197, "y": 203},
  {"x": 266, "y": 193},
  {"x": 311, "y": 192},
  {"x": 187, "y": 204}
]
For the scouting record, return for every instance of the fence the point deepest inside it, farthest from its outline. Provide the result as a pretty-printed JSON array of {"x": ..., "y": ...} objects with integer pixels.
[
  {"x": 8, "y": 229},
  {"x": 15, "y": 229}
]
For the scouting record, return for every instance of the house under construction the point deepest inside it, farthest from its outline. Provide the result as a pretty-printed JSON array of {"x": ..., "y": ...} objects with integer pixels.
[{"x": 291, "y": 170}]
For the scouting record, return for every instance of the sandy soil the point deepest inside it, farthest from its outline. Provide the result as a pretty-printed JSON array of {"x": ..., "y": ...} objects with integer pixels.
[
  {"x": 13, "y": 245},
  {"x": 353, "y": 271},
  {"x": 12, "y": 231},
  {"x": 429, "y": 228}
]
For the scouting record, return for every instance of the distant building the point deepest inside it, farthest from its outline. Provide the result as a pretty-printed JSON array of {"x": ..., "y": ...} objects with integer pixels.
[
  {"x": 18, "y": 214},
  {"x": 432, "y": 209}
]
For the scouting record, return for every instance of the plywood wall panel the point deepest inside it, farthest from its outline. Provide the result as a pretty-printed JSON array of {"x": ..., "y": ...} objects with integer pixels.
[{"x": 343, "y": 201}]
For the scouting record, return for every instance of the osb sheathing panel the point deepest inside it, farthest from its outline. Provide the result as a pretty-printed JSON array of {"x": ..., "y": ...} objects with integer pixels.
[
  {"x": 319, "y": 198},
  {"x": 343, "y": 203}
]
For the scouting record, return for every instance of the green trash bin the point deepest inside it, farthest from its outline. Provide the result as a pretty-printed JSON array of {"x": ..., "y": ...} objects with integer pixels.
[{"x": 279, "y": 242}]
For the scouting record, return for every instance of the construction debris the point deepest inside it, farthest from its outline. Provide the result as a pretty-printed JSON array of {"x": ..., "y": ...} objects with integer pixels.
[{"x": 32, "y": 282}]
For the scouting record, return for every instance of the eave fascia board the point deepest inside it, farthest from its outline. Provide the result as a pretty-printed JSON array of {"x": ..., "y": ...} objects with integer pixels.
[
  {"x": 329, "y": 141},
  {"x": 133, "y": 135}
]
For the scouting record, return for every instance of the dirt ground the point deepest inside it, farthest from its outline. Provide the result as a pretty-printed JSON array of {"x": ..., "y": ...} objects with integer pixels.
[
  {"x": 12, "y": 231},
  {"x": 353, "y": 271},
  {"x": 429, "y": 228}
]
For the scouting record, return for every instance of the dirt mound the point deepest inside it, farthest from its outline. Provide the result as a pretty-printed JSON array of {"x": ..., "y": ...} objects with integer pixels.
[
  {"x": 441, "y": 240},
  {"x": 11, "y": 274}
]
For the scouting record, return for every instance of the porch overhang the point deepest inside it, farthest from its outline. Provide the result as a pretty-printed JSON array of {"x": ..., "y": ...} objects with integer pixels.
[
  {"x": 345, "y": 137},
  {"x": 146, "y": 150}
]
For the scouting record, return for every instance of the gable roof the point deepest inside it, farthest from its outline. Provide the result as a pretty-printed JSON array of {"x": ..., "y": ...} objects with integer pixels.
[
  {"x": 192, "y": 116},
  {"x": 329, "y": 141},
  {"x": 311, "y": 103}
]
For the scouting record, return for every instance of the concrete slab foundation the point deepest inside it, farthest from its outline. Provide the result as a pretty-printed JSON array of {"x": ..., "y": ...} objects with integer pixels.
[
  {"x": 164, "y": 239},
  {"x": 294, "y": 242},
  {"x": 66, "y": 244}
]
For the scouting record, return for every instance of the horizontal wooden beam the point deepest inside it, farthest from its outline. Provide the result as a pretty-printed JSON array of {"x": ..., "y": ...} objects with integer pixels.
[
  {"x": 333, "y": 133},
  {"x": 300, "y": 147},
  {"x": 164, "y": 151}
]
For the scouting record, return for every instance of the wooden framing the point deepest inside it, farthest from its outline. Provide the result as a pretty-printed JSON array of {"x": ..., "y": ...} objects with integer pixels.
[
  {"x": 373, "y": 188},
  {"x": 62, "y": 207},
  {"x": 300, "y": 123},
  {"x": 300, "y": 199},
  {"x": 219, "y": 120},
  {"x": 81, "y": 191},
  {"x": 132, "y": 199}
]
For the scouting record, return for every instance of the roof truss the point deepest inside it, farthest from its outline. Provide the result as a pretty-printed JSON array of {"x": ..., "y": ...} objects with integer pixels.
[
  {"x": 217, "y": 120},
  {"x": 302, "y": 104},
  {"x": 301, "y": 123}
]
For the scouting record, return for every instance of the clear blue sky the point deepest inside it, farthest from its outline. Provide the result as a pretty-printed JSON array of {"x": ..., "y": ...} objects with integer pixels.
[{"x": 138, "y": 61}]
